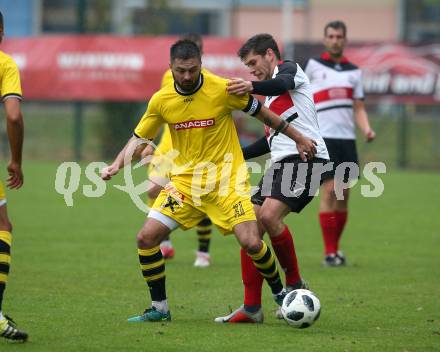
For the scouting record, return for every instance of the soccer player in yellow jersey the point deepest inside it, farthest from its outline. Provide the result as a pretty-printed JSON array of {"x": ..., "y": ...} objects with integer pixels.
[
  {"x": 10, "y": 91},
  {"x": 197, "y": 108},
  {"x": 158, "y": 170}
]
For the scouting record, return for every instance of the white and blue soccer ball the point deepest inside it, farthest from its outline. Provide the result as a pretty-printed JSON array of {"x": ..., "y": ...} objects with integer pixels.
[{"x": 301, "y": 308}]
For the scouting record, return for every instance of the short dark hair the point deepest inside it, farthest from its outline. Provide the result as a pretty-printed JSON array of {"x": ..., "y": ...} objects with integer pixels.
[
  {"x": 1, "y": 19},
  {"x": 196, "y": 38},
  {"x": 184, "y": 49},
  {"x": 259, "y": 44},
  {"x": 336, "y": 25}
]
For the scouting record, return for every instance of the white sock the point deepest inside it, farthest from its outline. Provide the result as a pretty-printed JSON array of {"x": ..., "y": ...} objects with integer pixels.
[
  {"x": 161, "y": 306},
  {"x": 1, "y": 315},
  {"x": 203, "y": 254},
  {"x": 166, "y": 243}
]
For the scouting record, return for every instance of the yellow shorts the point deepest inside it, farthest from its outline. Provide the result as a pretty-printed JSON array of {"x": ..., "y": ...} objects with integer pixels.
[
  {"x": 224, "y": 211},
  {"x": 2, "y": 194}
]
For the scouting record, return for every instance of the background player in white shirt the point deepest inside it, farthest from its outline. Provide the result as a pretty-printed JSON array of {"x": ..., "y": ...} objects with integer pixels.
[{"x": 338, "y": 95}]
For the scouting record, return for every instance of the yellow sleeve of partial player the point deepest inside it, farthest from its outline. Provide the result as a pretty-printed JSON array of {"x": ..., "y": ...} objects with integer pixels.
[
  {"x": 167, "y": 78},
  {"x": 10, "y": 80},
  {"x": 151, "y": 121}
]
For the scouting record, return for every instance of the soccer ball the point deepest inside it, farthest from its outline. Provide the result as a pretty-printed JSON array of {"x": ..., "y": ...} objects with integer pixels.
[{"x": 301, "y": 308}]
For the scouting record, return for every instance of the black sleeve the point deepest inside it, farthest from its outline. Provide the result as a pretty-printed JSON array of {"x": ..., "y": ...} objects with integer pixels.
[
  {"x": 253, "y": 106},
  {"x": 284, "y": 81},
  {"x": 260, "y": 147}
]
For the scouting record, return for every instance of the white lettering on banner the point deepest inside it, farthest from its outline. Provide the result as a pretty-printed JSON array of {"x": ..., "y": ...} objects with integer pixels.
[
  {"x": 20, "y": 60},
  {"x": 225, "y": 62},
  {"x": 109, "y": 61},
  {"x": 376, "y": 83},
  {"x": 102, "y": 75},
  {"x": 194, "y": 124},
  {"x": 413, "y": 84}
]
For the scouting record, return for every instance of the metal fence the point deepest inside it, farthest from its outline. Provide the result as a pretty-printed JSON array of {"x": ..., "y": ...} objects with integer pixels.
[{"x": 408, "y": 136}]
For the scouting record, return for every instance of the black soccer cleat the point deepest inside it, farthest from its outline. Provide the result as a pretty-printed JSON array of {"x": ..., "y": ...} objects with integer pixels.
[
  {"x": 301, "y": 284},
  {"x": 333, "y": 260},
  {"x": 341, "y": 257},
  {"x": 8, "y": 330}
]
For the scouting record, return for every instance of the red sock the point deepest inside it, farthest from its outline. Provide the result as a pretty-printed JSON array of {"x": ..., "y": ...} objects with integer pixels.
[
  {"x": 252, "y": 280},
  {"x": 285, "y": 252},
  {"x": 341, "y": 220},
  {"x": 329, "y": 231}
]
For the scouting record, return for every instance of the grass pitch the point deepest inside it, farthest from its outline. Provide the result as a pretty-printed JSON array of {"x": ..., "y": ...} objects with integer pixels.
[{"x": 75, "y": 276}]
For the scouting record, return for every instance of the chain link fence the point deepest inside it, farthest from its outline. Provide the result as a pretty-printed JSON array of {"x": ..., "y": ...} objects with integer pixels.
[{"x": 408, "y": 136}]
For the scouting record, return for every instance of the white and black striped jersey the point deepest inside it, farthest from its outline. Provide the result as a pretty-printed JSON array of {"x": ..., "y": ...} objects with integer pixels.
[
  {"x": 288, "y": 94},
  {"x": 335, "y": 86}
]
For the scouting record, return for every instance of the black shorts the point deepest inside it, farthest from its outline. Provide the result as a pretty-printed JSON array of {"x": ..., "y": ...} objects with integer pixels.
[
  {"x": 342, "y": 151},
  {"x": 291, "y": 181}
]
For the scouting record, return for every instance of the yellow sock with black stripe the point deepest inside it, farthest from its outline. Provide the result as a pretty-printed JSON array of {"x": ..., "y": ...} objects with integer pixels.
[
  {"x": 153, "y": 271},
  {"x": 204, "y": 230},
  {"x": 264, "y": 261},
  {"x": 5, "y": 261}
]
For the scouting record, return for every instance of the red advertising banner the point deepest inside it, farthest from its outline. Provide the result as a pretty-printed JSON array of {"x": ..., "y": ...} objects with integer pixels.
[
  {"x": 406, "y": 73},
  {"x": 398, "y": 72},
  {"x": 94, "y": 68}
]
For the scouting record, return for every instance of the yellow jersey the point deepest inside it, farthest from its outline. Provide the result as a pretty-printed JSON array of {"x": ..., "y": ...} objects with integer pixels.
[
  {"x": 165, "y": 143},
  {"x": 9, "y": 78},
  {"x": 167, "y": 78},
  {"x": 201, "y": 125}
]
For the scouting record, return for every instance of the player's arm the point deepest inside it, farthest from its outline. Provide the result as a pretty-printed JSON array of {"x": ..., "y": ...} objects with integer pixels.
[
  {"x": 133, "y": 149},
  {"x": 147, "y": 151},
  {"x": 260, "y": 147},
  {"x": 306, "y": 146},
  {"x": 146, "y": 129},
  {"x": 15, "y": 130},
  {"x": 361, "y": 117},
  {"x": 281, "y": 83}
]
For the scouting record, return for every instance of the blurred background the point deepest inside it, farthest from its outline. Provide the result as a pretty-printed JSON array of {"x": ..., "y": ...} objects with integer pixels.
[{"x": 88, "y": 67}]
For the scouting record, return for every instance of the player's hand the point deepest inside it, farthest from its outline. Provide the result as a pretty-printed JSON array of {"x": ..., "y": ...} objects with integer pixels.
[
  {"x": 306, "y": 148},
  {"x": 146, "y": 152},
  {"x": 15, "y": 179},
  {"x": 370, "y": 135},
  {"x": 239, "y": 86},
  {"x": 108, "y": 172}
]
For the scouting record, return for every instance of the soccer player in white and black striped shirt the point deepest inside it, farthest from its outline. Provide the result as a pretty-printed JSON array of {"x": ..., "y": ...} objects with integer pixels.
[
  {"x": 287, "y": 91},
  {"x": 337, "y": 90}
]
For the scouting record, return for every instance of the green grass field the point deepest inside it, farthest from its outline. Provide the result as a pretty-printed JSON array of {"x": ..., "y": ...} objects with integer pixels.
[{"x": 75, "y": 276}]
